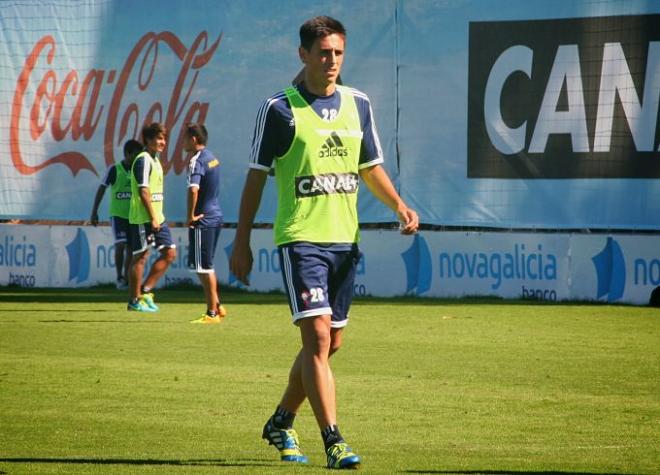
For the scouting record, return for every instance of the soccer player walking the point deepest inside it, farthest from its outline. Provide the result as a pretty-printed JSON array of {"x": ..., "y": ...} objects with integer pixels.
[
  {"x": 204, "y": 217},
  {"x": 147, "y": 221},
  {"x": 319, "y": 137},
  {"x": 118, "y": 179}
]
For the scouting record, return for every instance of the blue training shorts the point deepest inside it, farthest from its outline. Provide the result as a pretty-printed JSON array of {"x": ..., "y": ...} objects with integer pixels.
[
  {"x": 119, "y": 228},
  {"x": 201, "y": 248},
  {"x": 142, "y": 236},
  {"x": 319, "y": 279}
]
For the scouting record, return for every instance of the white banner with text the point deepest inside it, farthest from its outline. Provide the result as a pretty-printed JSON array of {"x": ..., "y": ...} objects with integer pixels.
[{"x": 538, "y": 266}]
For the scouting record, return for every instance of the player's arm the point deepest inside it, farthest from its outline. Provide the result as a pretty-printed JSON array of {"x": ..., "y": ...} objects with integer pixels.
[
  {"x": 195, "y": 171},
  {"x": 374, "y": 175},
  {"x": 193, "y": 195},
  {"x": 145, "y": 197},
  {"x": 381, "y": 186},
  {"x": 94, "y": 217},
  {"x": 241, "y": 260},
  {"x": 268, "y": 142},
  {"x": 108, "y": 180},
  {"x": 141, "y": 172}
]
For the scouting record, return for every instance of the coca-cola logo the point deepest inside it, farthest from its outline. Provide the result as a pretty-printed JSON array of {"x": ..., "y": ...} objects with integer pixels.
[{"x": 71, "y": 107}]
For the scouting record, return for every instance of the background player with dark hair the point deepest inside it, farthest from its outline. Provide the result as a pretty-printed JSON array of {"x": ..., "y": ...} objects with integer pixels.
[
  {"x": 118, "y": 179},
  {"x": 204, "y": 217}
]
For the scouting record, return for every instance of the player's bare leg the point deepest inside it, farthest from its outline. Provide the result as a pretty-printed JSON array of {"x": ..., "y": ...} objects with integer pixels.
[
  {"x": 319, "y": 384},
  {"x": 315, "y": 370},
  {"x": 127, "y": 262},
  {"x": 309, "y": 376},
  {"x": 136, "y": 299},
  {"x": 294, "y": 395},
  {"x": 159, "y": 267},
  {"x": 214, "y": 311},
  {"x": 138, "y": 262},
  {"x": 120, "y": 248},
  {"x": 210, "y": 285},
  {"x": 122, "y": 264}
]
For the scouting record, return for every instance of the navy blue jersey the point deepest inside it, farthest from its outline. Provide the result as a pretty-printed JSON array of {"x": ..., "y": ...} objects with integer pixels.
[
  {"x": 275, "y": 127},
  {"x": 204, "y": 173}
]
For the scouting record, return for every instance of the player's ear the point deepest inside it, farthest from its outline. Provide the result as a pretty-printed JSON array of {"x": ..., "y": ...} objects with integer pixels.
[{"x": 302, "y": 53}]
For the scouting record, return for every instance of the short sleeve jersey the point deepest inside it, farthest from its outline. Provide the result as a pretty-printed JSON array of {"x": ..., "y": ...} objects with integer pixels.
[
  {"x": 147, "y": 172},
  {"x": 204, "y": 173},
  {"x": 110, "y": 176},
  {"x": 274, "y": 130}
]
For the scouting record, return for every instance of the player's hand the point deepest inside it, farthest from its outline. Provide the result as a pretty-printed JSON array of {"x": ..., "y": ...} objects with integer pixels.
[
  {"x": 240, "y": 262},
  {"x": 155, "y": 225},
  {"x": 409, "y": 221},
  {"x": 193, "y": 221}
]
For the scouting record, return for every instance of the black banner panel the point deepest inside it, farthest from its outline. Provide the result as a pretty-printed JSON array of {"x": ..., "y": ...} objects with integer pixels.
[{"x": 569, "y": 98}]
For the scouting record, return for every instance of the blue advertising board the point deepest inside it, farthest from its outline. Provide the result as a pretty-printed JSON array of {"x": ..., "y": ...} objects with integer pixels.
[{"x": 495, "y": 114}]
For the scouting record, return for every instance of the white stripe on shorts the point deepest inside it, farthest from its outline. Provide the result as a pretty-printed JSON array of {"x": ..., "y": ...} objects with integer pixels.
[
  {"x": 316, "y": 312},
  {"x": 289, "y": 279},
  {"x": 197, "y": 253},
  {"x": 144, "y": 245}
]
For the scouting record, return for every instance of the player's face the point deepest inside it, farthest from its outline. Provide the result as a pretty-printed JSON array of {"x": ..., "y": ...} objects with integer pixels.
[
  {"x": 324, "y": 60},
  {"x": 157, "y": 144}
]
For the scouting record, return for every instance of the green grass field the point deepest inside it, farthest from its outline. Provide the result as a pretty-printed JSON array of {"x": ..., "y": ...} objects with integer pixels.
[{"x": 424, "y": 386}]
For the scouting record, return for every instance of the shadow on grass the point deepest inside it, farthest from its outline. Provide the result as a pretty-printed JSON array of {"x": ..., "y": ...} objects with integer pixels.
[
  {"x": 50, "y": 310},
  {"x": 231, "y": 295},
  {"x": 155, "y": 462},
  {"x": 510, "y": 472},
  {"x": 108, "y": 294}
]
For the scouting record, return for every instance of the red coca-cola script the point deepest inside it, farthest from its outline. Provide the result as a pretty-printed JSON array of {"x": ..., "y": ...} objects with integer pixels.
[{"x": 121, "y": 117}]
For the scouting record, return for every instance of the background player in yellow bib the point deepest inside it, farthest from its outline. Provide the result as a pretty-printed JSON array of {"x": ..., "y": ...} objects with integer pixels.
[
  {"x": 148, "y": 227},
  {"x": 118, "y": 179},
  {"x": 319, "y": 138}
]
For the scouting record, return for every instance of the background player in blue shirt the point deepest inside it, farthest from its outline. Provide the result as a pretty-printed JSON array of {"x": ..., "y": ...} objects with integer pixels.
[{"x": 204, "y": 217}]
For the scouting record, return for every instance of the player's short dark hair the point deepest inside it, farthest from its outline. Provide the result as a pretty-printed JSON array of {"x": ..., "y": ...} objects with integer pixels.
[
  {"x": 199, "y": 132},
  {"x": 151, "y": 131},
  {"x": 319, "y": 27},
  {"x": 132, "y": 147}
]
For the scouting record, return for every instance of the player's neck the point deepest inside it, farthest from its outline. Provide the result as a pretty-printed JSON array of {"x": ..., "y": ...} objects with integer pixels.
[{"x": 322, "y": 90}]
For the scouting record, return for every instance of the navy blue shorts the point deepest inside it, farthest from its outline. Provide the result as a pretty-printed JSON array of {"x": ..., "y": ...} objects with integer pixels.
[
  {"x": 201, "y": 248},
  {"x": 319, "y": 279},
  {"x": 119, "y": 228},
  {"x": 142, "y": 236}
]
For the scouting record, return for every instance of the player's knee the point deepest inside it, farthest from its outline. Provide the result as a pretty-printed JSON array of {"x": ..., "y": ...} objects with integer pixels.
[
  {"x": 139, "y": 259},
  {"x": 320, "y": 344},
  {"x": 169, "y": 254},
  {"x": 334, "y": 347},
  {"x": 336, "y": 341},
  {"x": 323, "y": 342}
]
